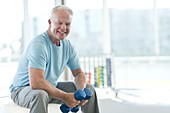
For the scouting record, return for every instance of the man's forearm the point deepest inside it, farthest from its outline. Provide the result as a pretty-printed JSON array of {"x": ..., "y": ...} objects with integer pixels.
[{"x": 80, "y": 80}]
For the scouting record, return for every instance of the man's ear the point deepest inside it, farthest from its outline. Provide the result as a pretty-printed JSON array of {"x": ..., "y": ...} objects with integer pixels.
[{"x": 49, "y": 21}]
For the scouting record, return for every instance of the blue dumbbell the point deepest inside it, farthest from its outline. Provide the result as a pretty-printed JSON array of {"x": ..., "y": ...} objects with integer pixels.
[
  {"x": 88, "y": 93},
  {"x": 64, "y": 108},
  {"x": 79, "y": 95}
]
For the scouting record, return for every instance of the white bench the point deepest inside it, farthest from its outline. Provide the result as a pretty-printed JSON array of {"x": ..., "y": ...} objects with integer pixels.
[{"x": 11, "y": 107}]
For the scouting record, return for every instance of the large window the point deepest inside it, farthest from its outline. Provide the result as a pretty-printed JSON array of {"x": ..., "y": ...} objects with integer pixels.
[
  {"x": 136, "y": 27},
  {"x": 139, "y": 36}
]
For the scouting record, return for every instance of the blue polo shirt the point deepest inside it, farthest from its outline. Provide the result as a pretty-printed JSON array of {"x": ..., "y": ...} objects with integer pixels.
[{"x": 41, "y": 53}]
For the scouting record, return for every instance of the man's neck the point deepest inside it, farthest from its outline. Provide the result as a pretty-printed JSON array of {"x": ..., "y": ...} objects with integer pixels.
[{"x": 57, "y": 42}]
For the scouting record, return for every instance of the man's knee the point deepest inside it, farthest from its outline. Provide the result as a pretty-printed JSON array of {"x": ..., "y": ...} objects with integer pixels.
[{"x": 40, "y": 95}]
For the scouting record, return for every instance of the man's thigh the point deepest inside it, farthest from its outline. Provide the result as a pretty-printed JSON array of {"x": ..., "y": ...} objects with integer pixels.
[
  {"x": 23, "y": 96},
  {"x": 67, "y": 86}
]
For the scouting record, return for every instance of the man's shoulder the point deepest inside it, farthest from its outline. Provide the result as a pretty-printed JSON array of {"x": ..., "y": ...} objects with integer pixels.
[{"x": 41, "y": 38}]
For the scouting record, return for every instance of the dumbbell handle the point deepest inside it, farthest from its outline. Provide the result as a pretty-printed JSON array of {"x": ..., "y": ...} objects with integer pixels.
[{"x": 78, "y": 95}]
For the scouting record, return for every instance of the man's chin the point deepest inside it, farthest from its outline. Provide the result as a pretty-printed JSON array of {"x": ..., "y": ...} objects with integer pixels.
[{"x": 61, "y": 37}]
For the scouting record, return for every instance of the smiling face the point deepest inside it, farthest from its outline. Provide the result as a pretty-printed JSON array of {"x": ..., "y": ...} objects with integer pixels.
[{"x": 59, "y": 24}]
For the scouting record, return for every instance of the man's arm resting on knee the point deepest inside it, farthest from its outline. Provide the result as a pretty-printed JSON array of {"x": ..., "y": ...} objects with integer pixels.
[{"x": 37, "y": 81}]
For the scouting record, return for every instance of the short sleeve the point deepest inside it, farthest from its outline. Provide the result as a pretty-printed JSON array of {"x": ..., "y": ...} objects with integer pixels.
[
  {"x": 73, "y": 62},
  {"x": 36, "y": 55}
]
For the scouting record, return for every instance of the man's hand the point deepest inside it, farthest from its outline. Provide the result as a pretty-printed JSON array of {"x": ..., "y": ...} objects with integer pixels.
[
  {"x": 70, "y": 101},
  {"x": 83, "y": 102}
]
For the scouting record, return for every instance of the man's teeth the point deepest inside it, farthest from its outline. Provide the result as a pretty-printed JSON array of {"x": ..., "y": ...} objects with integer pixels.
[{"x": 62, "y": 32}]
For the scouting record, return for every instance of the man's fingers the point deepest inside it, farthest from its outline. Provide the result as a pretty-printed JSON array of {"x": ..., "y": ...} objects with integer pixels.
[{"x": 83, "y": 102}]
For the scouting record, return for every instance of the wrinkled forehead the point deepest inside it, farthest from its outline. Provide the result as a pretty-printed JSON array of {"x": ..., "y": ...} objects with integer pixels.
[{"x": 61, "y": 16}]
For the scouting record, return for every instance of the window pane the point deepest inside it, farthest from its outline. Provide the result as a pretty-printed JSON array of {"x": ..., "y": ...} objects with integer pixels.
[
  {"x": 11, "y": 29},
  {"x": 131, "y": 4},
  {"x": 165, "y": 4},
  {"x": 164, "y": 26},
  {"x": 132, "y": 27},
  {"x": 39, "y": 15},
  {"x": 86, "y": 31}
]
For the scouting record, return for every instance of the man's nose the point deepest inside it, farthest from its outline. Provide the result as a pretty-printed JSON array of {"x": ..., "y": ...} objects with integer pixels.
[{"x": 63, "y": 26}]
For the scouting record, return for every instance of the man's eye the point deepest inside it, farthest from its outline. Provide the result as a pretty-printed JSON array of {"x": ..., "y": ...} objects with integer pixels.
[
  {"x": 68, "y": 24},
  {"x": 59, "y": 23}
]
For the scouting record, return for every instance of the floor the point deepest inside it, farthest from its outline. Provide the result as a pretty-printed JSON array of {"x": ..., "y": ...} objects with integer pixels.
[
  {"x": 136, "y": 101},
  {"x": 111, "y": 106}
]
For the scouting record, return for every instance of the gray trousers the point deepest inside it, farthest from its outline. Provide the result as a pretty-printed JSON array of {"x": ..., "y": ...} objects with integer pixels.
[{"x": 37, "y": 100}]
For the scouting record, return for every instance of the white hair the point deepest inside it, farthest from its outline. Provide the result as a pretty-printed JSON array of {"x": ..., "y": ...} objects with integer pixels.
[{"x": 61, "y": 7}]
